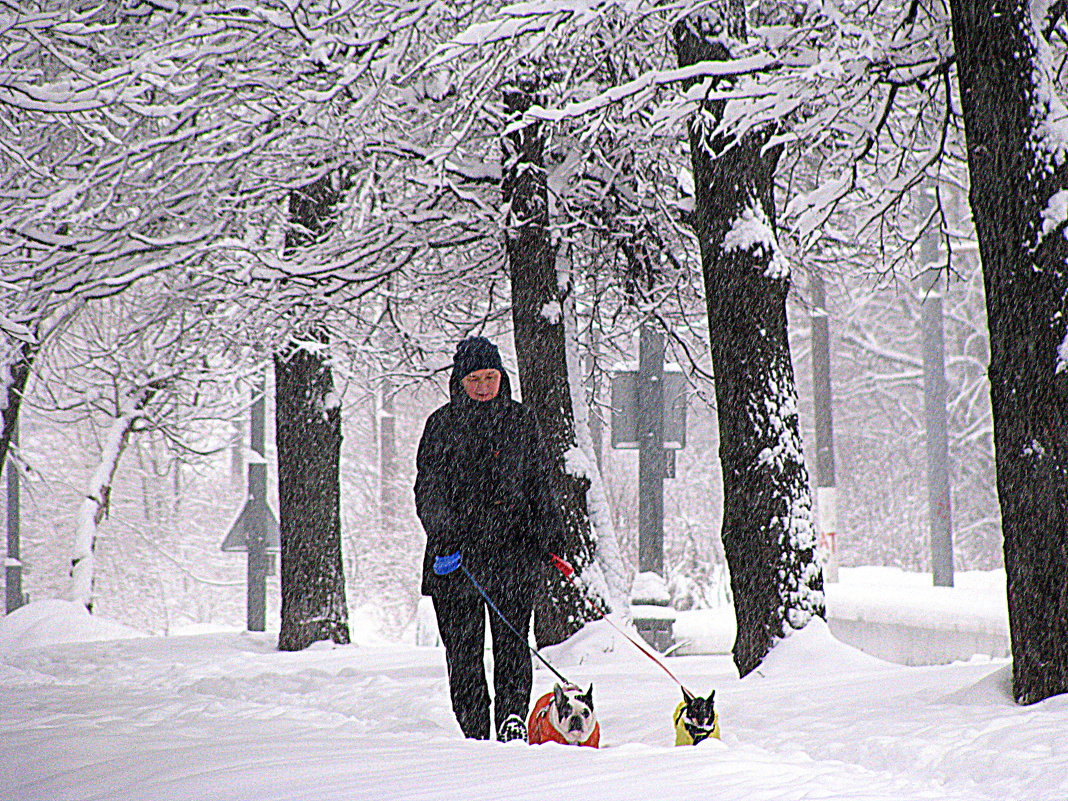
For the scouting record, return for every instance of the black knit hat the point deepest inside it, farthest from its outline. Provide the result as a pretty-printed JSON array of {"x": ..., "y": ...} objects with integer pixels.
[{"x": 476, "y": 353}]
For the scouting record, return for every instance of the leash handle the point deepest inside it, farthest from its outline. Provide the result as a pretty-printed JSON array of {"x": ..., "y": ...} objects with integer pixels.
[
  {"x": 562, "y": 565},
  {"x": 514, "y": 630},
  {"x": 569, "y": 572}
]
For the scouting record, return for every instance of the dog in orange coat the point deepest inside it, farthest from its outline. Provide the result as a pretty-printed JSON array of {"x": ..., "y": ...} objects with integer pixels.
[{"x": 564, "y": 716}]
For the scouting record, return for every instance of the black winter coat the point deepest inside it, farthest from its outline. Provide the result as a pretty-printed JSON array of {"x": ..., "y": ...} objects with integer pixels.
[{"x": 483, "y": 487}]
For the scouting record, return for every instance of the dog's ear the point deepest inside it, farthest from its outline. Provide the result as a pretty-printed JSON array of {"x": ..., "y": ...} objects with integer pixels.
[
  {"x": 587, "y": 698},
  {"x": 687, "y": 696},
  {"x": 711, "y": 697},
  {"x": 558, "y": 695}
]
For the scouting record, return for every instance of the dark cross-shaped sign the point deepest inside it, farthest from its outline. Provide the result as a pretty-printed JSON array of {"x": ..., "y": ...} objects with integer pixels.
[
  {"x": 649, "y": 413},
  {"x": 255, "y": 529}
]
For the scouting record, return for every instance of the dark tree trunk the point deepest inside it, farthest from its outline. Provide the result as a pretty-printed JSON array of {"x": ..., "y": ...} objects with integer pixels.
[
  {"x": 308, "y": 434},
  {"x": 12, "y": 394},
  {"x": 1015, "y": 170},
  {"x": 537, "y": 315},
  {"x": 308, "y": 442},
  {"x": 768, "y": 535}
]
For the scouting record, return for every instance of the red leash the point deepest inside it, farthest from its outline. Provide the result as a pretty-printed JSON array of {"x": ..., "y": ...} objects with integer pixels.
[{"x": 569, "y": 572}]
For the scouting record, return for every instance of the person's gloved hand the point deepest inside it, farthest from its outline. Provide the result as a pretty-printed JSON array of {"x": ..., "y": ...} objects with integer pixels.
[{"x": 443, "y": 565}]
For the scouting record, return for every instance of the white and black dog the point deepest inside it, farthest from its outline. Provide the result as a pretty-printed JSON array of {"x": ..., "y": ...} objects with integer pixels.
[{"x": 564, "y": 716}]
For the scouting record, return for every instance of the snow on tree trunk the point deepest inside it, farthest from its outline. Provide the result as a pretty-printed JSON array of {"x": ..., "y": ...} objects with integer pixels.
[
  {"x": 97, "y": 497},
  {"x": 1016, "y": 130},
  {"x": 608, "y": 575},
  {"x": 768, "y": 536},
  {"x": 537, "y": 315}
]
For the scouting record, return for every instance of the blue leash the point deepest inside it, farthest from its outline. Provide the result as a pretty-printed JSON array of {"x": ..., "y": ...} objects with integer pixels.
[{"x": 515, "y": 631}]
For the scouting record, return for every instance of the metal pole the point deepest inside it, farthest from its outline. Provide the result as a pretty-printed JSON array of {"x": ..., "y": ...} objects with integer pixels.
[
  {"x": 387, "y": 458},
  {"x": 934, "y": 403},
  {"x": 595, "y": 421},
  {"x": 826, "y": 486},
  {"x": 256, "y": 534},
  {"x": 237, "y": 459},
  {"x": 13, "y": 563},
  {"x": 651, "y": 451}
]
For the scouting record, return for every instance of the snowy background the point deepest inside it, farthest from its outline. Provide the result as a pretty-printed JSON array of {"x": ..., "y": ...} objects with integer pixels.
[
  {"x": 94, "y": 710},
  {"x": 159, "y": 567},
  {"x": 162, "y": 695}
]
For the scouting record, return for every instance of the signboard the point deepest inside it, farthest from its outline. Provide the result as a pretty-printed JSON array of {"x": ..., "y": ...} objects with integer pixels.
[
  {"x": 236, "y": 540},
  {"x": 625, "y": 410}
]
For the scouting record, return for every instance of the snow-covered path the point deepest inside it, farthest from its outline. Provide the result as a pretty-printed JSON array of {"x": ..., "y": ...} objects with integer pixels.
[{"x": 225, "y": 716}]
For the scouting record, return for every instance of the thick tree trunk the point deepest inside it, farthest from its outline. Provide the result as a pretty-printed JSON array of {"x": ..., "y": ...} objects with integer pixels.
[
  {"x": 1013, "y": 124},
  {"x": 308, "y": 443},
  {"x": 768, "y": 536},
  {"x": 308, "y": 440},
  {"x": 537, "y": 315}
]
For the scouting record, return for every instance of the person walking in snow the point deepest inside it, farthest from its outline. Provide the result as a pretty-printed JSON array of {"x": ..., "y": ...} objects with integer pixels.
[{"x": 482, "y": 493}]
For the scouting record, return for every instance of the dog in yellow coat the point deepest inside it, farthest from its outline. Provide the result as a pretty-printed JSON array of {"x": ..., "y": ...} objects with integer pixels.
[{"x": 696, "y": 719}]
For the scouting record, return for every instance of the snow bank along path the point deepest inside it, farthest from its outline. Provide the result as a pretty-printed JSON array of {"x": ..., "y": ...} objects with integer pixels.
[{"x": 226, "y": 716}]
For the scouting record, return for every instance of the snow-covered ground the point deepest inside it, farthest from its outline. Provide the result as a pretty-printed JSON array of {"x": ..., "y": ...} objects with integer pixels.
[{"x": 219, "y": 716}]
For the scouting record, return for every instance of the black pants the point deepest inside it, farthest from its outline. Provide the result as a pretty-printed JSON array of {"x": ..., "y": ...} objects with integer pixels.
[{"x": 461, "y": 623}]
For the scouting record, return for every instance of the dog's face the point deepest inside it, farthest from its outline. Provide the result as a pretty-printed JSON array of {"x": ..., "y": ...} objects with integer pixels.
[
  {"x": 571, "y": 713},
  {"x": 699, "y": 715}
]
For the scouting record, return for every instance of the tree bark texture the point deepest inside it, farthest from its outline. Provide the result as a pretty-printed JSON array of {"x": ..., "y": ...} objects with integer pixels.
[
  {"x": 537, "y": 315},
  {"x": 768, "y": 536},
  {"x": 308, "y": 442},
  {"x": 1017, "y": 164},
  {"x": 308, "y": 434},
  {"x": 18, "y": 373}
]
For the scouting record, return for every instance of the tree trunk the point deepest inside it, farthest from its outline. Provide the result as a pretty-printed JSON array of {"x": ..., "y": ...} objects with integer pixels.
[
  {"x": 608, "y": 576},
  {"x": 1013, "y": 125},
  {"x": 308, "y": 443},
  {"x": 15, "y": 376},
  {"x": 97, "y": 500},
  {"x": 537, "y": 315},
  {"x": 768, "y": 536},
  {"x": 308, "y": 440}
]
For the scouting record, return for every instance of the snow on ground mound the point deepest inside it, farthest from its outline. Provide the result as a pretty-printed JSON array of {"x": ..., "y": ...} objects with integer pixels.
[
  {"x": 814, "y": 650},
  {"x": 992, "y": 690},
  {"x": 227, "y": 717},
  {"x": 11, "y": 677},
  {"x": 53, "y": 621},
  {"x": 591, "y": 643}
]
